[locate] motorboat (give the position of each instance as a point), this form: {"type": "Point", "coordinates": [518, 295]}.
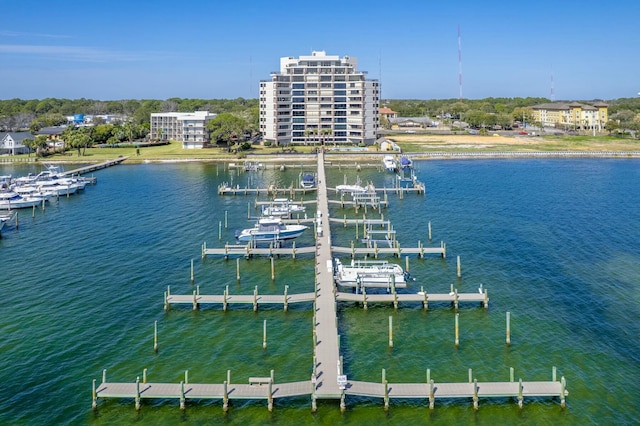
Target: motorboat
{"type": "Point", "coordinates": [12, 200]}
{"type": "Point", "coordinates": [34, 191]}
{"type": "Point", "coordinates": [405, 163]}
{"type": "Point", "coordinates": [351, 189]}
{"type": "Point", "coordinates": [282, 207]}
{"type": "Point", "coordinates": [270, 229]}
{"type": "Point", "coordinates": [52, 181]}
{"type": "Point", "coordinates": [308, 180]}
{"type": "Point", "coordinates": [6, 218]}
{"type": "Point", "coordinates": [356, 188]}
{"type": "Point", "coordinates": [368, 273]}
{"type": "Point", "coordinates": [252, 166]}
{"type": "Point", "coordinates": [390, 164]}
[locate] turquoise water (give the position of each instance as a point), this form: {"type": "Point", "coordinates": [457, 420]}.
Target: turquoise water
{"type": "Point", "coordinates": [555, 242]}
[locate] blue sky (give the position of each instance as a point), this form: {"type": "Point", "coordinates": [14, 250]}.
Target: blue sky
{"type": "Point", "coordinates": [218, 49]}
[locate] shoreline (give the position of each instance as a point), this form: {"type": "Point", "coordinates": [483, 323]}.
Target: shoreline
{"type": "Point", "coordinates": [443, 155]}
{"type": "Point", "coordinates": [343, 157]}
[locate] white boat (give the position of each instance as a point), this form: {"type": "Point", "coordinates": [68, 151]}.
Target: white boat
{"type": "Point", "coordinates": [10, 200]}
{"type": "Point", "coordinates": [252, 166]}
{"type": "Point", "coordinates": [351, 189]}
{"type": "Point", "coordinates": [369, 273]}
{"type": "Point", "coordinates": [270, 229]}
{"type": "Point", "coordinates": [34, 191]}
{"type": "Point", "coordinates": [52, 181]}
{"type": "Point", "coordinates": [389, 163]}
{"type": "Point", "coordinates": [6, 218]}
{"type": "Point", "coordinates": [282, 207]}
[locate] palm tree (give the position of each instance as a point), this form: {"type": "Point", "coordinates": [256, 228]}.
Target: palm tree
{"type": "Point", "coordinates": [324, 133]}
{"type": "Point", "coordinates": [310, 132]}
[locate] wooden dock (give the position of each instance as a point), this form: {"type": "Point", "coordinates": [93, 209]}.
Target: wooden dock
{"type": "Point", "coordinates": [249, 250]}
{"type": "Point", "coordinates": [226, 189]}
{"type": "Point", "coordinates": [328, 380]}
{"type": "Point", "coordinates": [93, 167]}
{"type": "Point", "coordinates": [266, 388]}
{"type": "Point", "coordinates": [196, 299]}
{"type": "Point", "coordinates": [375, 251]}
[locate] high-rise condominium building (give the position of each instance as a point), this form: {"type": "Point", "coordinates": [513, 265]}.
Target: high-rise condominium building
{"type": "Point", "coordinates": [319, 100]}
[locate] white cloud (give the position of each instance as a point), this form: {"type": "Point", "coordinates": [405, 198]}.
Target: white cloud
{"type": "Point", "coordinates": [78, 53]}
{"type": "Point", "coordinates": [21, 34]}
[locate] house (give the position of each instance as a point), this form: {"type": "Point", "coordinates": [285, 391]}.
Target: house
{"type": "Point", "coordinates": [411, 122]}
{"type": "Point", "coordinates": [11, 143]}
{"type": "Point", "coordinates": [388, 113]}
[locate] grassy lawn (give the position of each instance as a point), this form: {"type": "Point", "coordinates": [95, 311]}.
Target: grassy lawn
{"type": "Point", "coordinates": [172, 151]}
{"type": "Point", "coordinates": [409, 143]}
{"type": "Point", "coordinates": [424, 143]}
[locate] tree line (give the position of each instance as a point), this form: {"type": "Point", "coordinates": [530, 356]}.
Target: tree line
{"type": "Point", "coordinates": [34, 114]}
{"type": "Point", "coordinates": [624, 113]}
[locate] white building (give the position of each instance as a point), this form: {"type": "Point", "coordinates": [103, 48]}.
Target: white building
{"type": "Point", "coordinates": [186, 127]}
{"type": "Point", "coordinates": [11, 143]}
{"type": "Point", "coordinates": [319, 99]}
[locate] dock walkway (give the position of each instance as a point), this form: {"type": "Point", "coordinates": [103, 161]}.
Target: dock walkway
{"type": "Point", "coordinates": [93, 167]}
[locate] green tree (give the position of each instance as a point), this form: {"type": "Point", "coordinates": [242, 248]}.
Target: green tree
{"type": "Point", "coordinates": [31, 144]}
{"type": "Point", "coordinates": [226, 128]}
{"type": "Point", "coordinates": [41, 142]}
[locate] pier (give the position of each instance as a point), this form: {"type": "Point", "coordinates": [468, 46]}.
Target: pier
{"type": "Point", "coordinates": [328, 381]}
{"type": "Point", "coordinates": [93, 167]}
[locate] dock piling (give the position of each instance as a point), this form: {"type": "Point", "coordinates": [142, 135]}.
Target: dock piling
{"type": "Point", "coordinates": [264, 334]}
{"type": "Point", "coordinates": [273, 269]}
{"type": "Point", "coordinates": [137, 397]}
{"type": "Point", "coordinates": [255, 299]}
{"type": "Point", "coordinates": [457, 341]}
{"type": "Point", "coordinates": [192, 275]}
{"type": "Point", "coordinates": [225, 397]}
{"type": "Point", "coordinates": [182, 398]}
{"type": "Point", "coordinates": [458, 268]}
{"type": "Point", "coordinates": [520, 397]}
{"type": "Point", "coordinates": [390, 331]}
{"type": "Point", "coordinates": [432, 399]}
{"type": "Point", "coordinates": [155, 337]}
{"type": "Point", "coordinates": [475, 394]}
{"type": "Point", "coordinates": [94, 397]}
{"type": "Point", "coordinates": [238, 269]}
{"type": "Point", "coordinates": [508, 328]}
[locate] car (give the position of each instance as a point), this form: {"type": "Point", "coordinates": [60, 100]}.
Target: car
{"type": "Point", "coordinates": [523, 133]}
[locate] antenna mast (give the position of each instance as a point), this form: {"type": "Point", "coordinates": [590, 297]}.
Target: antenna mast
{"type": "Point", "coordinates": [459, 64]}
{"type": "Point", "coordinates": [553, 95]}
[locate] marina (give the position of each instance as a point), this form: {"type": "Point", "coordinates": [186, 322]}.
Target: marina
{"type": "Point", "coordinates": [577, 267]}
{"type": "Point", "coordinates": [328, 379]}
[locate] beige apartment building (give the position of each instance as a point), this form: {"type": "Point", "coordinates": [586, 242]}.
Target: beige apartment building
{"type": "Point", "coordinates": [572, 115]}
{"type": "Point", "coordinates": [319, 99]}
